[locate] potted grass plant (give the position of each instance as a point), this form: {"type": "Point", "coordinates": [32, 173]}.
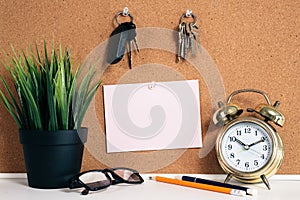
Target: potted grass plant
{"type": "Point", "coordinates": [48, 104]}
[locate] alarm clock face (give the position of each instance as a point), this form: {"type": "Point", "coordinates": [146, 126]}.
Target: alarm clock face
{"type": "Point", "coordinates": [246, 147]}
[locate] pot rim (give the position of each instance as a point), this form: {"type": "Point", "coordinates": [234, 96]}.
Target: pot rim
{"type": "Point", "coordinates": [58, 137]}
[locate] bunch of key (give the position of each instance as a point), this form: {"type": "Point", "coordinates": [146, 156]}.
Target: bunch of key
{"type": "Point", "coordinates": [122, 40]}
{"type": "Point", "coordinates": [188, 36]}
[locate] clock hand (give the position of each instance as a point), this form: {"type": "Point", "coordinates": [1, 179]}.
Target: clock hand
{"type": "Point", "coordinates": [254, 143]}
{"type": "Point", "coordinates": [243, 149]}
{"type": "Point", "coordinates": [258, 153]}
{"type": "Point", "coordinates": [246, 147]}
{"type": "Point", "coordinates": [254, 151]}
{"type": "Point", "coordinates": [240, 142]}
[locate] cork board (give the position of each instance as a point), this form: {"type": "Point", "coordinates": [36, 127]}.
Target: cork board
{"type": "Point", "coordinates": [252, 44]}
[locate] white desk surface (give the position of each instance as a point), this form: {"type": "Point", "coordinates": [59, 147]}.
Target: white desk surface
{"type": "Point", "coordinates": [14, 186]}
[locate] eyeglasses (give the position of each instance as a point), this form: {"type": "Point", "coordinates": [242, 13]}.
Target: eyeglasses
{"type": "Point", "coordinates": [94, 180]}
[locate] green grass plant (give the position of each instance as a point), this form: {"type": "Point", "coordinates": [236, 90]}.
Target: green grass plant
{"type": "Point", "coordinates": [47, 95]}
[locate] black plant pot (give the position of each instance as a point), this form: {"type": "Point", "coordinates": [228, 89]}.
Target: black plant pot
{"type": "Point", "coordinates": [52, 157]}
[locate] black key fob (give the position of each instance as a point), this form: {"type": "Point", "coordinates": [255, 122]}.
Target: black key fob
{"type": "Point", "coordinates": [118, 40]}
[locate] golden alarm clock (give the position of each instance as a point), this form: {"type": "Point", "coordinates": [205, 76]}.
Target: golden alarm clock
{"type": "Point", "coordinates": [248, 148]}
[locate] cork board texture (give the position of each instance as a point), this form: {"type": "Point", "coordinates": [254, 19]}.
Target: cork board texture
{"type": "Point", "coordinates": [251, 44]}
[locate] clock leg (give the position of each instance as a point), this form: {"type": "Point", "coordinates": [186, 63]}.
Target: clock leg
{"type": "Point", "coordinates": [265, 180]}
{"type": "Point", "coordinates": [228, 177]}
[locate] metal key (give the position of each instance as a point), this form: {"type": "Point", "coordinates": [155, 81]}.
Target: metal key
{"type": "Point", "coordinates": [195, 35]}
{"type": "Point", "coordinates": [179, 50]}
{"type": "Point", "coordinates": [188, 36]}
{"type": "Point", "coordinates": [183, 41]}
{"type": "Point", "coordinates": [131, 38]}
{"type": "Point", "coordinates": [181, 53]}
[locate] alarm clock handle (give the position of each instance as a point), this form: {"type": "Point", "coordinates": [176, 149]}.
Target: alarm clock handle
{"type": "Point", "coordinates": [248, 90]}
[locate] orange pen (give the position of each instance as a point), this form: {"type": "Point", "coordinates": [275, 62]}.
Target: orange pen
{"type": "Point", "coordinates": [199, 186]}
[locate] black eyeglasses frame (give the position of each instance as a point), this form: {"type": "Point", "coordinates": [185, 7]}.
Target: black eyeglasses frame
{"type": "Point", "coordinates": [75, 182]}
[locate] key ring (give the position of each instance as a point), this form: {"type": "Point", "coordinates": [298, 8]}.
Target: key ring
{"type": "Point", "coordinates": [124, 13]}
{"type": "Point", "coordinates": [189, 14]}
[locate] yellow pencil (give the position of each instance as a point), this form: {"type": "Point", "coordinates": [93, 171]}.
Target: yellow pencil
{"type": "Point", "coordinates": [199, 186]}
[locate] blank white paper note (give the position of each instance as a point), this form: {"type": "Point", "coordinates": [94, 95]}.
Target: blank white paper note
{"type": "Point", "coordinates": [152, 116]}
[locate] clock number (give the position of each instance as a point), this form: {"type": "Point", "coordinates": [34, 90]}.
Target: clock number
{"type": "Point", "coordinates": [232, 139]}
{"type": "Point", "coordinates": [229, 147]}
{"type": "Point", "coordinates": [246, 164]}
{"type": "Point", "coordinates": [265, 147]}
{"type": "Point", "coordinates": [255, 133]}
{"type": "Point", "coordinates": [238, 132]}
{"type": "Point", "coordinates": [255, 162]}
{"type": "Point", "coordinates": [262, 156]}
{"type": "Point", "coordinates": [247, 130]}
{"type": "Point", "coordinates": [238, 161]}
{"type": "Point", "coordinates": [232, 155]}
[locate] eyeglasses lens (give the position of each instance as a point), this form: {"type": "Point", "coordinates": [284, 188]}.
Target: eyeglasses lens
{"type": "Point", "coordinates": [128, 175]}
{"type": "Point", "coordinates": [95, 179]}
